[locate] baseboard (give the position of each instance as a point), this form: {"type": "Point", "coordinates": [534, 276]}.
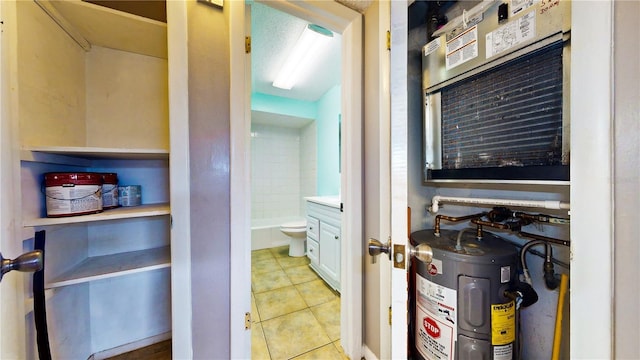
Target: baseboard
{"type": "Point", "coordinates": [105, 354]}
{"type": "Point", "coordinates": [367, 354]}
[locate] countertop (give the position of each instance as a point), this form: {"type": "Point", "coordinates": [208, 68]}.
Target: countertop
{"type": "Point", "coordinates": [333, 201]}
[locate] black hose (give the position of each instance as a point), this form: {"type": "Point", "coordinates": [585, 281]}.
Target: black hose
{"type": "Point", "coordinates": [550, 278]}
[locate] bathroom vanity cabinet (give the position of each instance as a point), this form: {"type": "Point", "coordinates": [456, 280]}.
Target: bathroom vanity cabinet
{"type": "Point", "coordinates": [324, 239]}
{"type": "Point", "coordinates": [91, 95]}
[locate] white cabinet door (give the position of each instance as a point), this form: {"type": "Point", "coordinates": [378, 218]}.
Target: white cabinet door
{"type": "Point", "coordinates": [330, 255]}
{"type": "Point", "coordinates": [313, 251]}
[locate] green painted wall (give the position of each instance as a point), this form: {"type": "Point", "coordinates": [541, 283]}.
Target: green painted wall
{"type": "Point", "coordinates": [285, 106]}
{"type": "Point", "coordinates": [328, 142]}
{"type": "Point", "coordinates": [326, 112]}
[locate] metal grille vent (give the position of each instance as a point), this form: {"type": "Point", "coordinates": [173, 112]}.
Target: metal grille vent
{"type": "Point", "coordinates": [508, 116]}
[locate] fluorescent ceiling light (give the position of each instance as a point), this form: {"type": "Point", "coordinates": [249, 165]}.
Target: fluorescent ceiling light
{"type": "Point", "coordinates": [311, 43]}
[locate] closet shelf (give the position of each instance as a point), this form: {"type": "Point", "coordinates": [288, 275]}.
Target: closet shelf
{"type": "Point", "coordinates": [111, 214]}
{"type": "Point", "coordinates": [109, 266]}
{"type": "Point", "coordinates": [81, 156]}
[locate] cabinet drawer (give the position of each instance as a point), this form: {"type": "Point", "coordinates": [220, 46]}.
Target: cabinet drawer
{"type": "Point", "coordinates": [313, 251]}
{"type": "Point", "coordinates": [313, 227]}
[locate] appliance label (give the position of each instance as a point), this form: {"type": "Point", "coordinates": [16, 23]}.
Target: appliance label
{"type": "Point", "coordinates": [462, 47]}
{"type": "Point", "coordinates": [436, 329]}
{"type": "Point", "coordinates": [503, 352]}
{"type": "Point", "coordinates": [511, 34]}
{"type": "Point", "coordinates": [519, 5]}
{"type": "Point", "coordinates": [503, 323]}
{"type": "Point", "coordinates": [432, 46]}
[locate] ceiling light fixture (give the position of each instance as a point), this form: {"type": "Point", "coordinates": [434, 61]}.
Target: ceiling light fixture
{"type": "Point", "coordinates": [312, 42]}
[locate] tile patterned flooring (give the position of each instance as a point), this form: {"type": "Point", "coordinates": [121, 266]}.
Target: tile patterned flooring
{"type": "Point", "coordinates": [295, 314]}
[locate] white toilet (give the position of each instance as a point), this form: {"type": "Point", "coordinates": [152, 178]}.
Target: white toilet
{"type": "Point", "coordinates": [297, 232]}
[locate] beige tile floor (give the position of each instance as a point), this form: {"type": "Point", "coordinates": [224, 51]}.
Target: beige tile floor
{"type": "Point", "coordinates": [295, 314]}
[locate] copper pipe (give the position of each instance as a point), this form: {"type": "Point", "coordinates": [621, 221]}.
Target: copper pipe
{"type": "Point", "coordinates": [491, 224]}
{"type": "Point", "coordinates": [544, 238]}
{"type": "Point", "coordinates": [436, 227]}
{"type": "Point", "coordinates": [436, 230]}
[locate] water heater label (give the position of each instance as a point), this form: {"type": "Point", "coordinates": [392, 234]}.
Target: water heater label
{"type": "Point", "coordinates": [436, 329]}
{"type": "Point", "coordinates": [503, 352]}
{"type": "Point", "coordinates": [462, 48]}
{"type": "Point", "coordinates": [432, 46]}
{"type": "Point", "coordinates": [503, 323]}
{"type": "Point", "coordinates": [511, 34]}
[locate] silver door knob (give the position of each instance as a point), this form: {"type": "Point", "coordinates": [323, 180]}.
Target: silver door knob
{"type": "Point", "coordinates": [376, 247]}
{"type": "Point", "coordinates": [28, 262]}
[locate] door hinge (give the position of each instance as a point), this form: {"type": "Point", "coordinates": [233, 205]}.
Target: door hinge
{"type": "Point", "coordinates": [247, 44]}
{"type": "Point", "coordinates": [247, 320]}
{"type": "Point", "coordinates": [398, 256]}
{"type": "Point", "coordinates": [389, 315]}
{"type": "Point", "coordinates": [388, 40]}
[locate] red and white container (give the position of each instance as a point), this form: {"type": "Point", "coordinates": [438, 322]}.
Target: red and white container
{"type": "Point", "coordinates": [70, 194]}
{"type": "Point", "coordinates": [109, 190]}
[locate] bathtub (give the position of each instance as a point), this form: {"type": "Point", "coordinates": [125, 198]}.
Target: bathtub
{"type": "Point", "coordinates": [265, 233]}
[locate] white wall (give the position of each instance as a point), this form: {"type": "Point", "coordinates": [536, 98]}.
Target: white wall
{"type": "Point", "coordinates": [282, 170]}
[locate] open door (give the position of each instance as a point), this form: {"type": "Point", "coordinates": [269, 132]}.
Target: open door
{"type": "Point", "coordinates": [12, 338]}
{"type": "Point", "coordinates": [399, 180]}
{"type": "Point", "coordinates": [386, 201]}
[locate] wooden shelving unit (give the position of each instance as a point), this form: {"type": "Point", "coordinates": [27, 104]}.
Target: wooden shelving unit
{"type": "Point", "coordinates": [109, 266]}
{"type": "Point", "coordinates": [112, 214]}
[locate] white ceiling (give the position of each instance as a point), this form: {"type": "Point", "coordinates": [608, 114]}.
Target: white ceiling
{"type": "Point", "coordinates": [273, 34]}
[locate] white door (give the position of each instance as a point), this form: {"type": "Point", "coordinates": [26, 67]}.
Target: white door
{"type": "Point", "coordinates": [399, 156]}
{"type": "Point", "coordinates": [12, 341]}
{"type": "Point", "coordinates": [386, 177]}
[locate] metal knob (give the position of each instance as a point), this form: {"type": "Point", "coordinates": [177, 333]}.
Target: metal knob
{"type": "Point", "coordinates": [27, 262]}
{"type": "Point", "coordinates": [422, 252]}
{"type": "Point", "coordinates": [376, 247]}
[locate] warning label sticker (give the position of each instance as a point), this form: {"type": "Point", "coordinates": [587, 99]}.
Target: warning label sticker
{"type": "Point", "coordinates": [520, 5]}
{"type": "Point", "coordinates": [432, 46]}
{"type": "Point", "coordinates": [503, 323]}
{"type": "Point", "coordinates": [462, 48]}
{"type": "Point", "coordinates": [511, 34]}
{"type": "Point", "coordinates": [503, 352]}
{"type": "Point", "coordinates": [436, 329]}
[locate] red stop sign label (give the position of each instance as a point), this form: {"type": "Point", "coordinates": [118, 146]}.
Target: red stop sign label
{"type": "Point", "coordinates": [433, 270]}
{"type": "Point", "coordinates": [431, 327]}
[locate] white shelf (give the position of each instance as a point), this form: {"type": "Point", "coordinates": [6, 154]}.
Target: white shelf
{"type": "Point", "coordinates": [111, 214]}
{"type": "Point", "coordinates": [91, 24]}
{"type": "Point", "coordinates": [109, 266]}
{"type": "Point", "coordinates": [36, 153]}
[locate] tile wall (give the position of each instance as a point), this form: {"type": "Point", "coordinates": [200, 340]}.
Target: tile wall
{"type": "Point", "coordinates": [283, 170]}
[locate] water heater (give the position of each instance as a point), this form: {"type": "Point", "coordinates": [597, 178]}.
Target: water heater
{"type": "Point", "coordinates": [461, 308]}
{"type": "Point", "coordinates": [496, 94]}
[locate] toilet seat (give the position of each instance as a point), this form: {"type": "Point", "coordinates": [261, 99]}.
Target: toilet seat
{"type": "Point", "coordinates": [297, 225]}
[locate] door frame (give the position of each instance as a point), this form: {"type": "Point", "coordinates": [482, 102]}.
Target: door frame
{"type": "Point", "coordinates": [341, 19]}
{"type": "Point", "coordinates": [12, 304]}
